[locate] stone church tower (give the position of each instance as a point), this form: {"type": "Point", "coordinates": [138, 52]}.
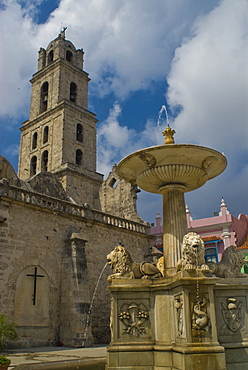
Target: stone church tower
{"type": "Point", "coordinates": [60, 136]}
{"type": "Point", "coordinates": [55, 235]}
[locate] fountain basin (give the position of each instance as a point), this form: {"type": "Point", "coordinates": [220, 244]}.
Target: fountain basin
{"type": "Point", "coordinates": [155, 167]}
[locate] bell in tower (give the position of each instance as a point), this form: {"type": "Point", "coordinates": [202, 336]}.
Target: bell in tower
{"type": "Point", "coordinates": [50, 139]}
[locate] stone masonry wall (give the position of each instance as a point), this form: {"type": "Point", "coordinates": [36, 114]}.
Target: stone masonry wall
{"type": "Point", "coordinates": [34, 230]}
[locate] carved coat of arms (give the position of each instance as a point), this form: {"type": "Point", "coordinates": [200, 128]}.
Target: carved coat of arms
{"type": "Point", "coordinates": [133, 316]}
{"type": "Point", "coordinates": [233, 314]}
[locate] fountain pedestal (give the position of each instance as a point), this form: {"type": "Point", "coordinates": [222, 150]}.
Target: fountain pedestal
{"type": "Point", "coordinates": [179, 323]}
{"type": "Point", "coordinates": [174, 224]}
{"type": "Point", "coordinates": [162, 333]}
{"type": "Point", "coordinates": [183, 321]}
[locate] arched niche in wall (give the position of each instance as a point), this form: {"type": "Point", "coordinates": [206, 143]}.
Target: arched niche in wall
{"type": "Point", "coordinates": [32, 297]}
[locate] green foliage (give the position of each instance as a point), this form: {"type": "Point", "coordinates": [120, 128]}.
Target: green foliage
{"type": "Point", "coordinates": [7, 330]}
{"type": "Point", "coordinates": [4, 361]}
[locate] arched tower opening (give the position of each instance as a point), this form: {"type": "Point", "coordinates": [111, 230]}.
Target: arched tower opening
{"type": "Point", "coordinates": [50, 56]}
{"type": "Point", "coordinates": [73, 92]}
{"type": "Point", "coordinates": [44, 97]}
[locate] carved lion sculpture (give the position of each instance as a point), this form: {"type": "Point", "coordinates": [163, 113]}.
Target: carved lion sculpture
{"type": "Point", "coordinates": [192, 254]}
{"type": "Point", "coordinates": [230, 264]}
{"type": "Point", "coordinates": [123, 266]}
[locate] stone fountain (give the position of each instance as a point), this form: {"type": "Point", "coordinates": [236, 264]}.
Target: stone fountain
{"type": "Point", "coordinates": [183, 313]}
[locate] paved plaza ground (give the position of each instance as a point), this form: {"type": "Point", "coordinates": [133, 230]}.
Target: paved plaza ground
{"type": "Point", "coordinates": [53, 354]}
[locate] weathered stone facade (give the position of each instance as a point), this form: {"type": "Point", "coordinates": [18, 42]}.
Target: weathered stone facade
{"type": "Point", "coordinates": [118, 197]}
{"type": "Point", "coordinates": [54, 235]}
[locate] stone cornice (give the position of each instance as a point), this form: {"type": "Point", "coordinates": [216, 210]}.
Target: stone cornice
{"type": "Point", "coordinates": [58, 108]}
{"type": "Point", "coordinates": [53, 65]}
{"type": "Point", "coordinates": [80, 172]}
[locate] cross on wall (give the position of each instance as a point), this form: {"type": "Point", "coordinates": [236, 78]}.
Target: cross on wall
{"type": "Point", "coordinates": [35, 276]}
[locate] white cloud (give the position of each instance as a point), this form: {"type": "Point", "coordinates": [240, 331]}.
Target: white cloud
{"type": "Point", "coordinates": [115, 141]}
{"type": "Point", "coordinates": [115, 135]}
{"type": "Point", "coordinates": [128, 44]}
{"type": "Point", "coordinates": [208, 80]}
{"type": "Point", "coordinates": [17, 60]}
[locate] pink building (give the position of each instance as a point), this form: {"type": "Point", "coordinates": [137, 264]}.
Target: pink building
{"type": "Point", "coordinates": [218, 232]}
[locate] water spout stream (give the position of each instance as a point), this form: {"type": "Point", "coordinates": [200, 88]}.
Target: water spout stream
{"type": "Point", "coordinates": [91, 305]}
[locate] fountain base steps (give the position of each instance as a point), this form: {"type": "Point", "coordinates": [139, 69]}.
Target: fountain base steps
{"type": "Point", "coordinates": [186, 321]}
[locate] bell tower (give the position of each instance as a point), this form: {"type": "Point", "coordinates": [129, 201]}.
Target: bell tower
{"type": "Point", "coordinates": [60, 136]}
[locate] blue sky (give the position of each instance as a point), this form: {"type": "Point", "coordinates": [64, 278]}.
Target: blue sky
{"type": "Point", "coordinates": [190, 55]}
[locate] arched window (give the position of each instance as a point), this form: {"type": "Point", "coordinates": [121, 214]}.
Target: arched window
{"type": "Point", "coordinates": [79, 157]}
{"type": "Point", "coordinates": [44, 162]}
{"type": "Point", "coordinates": [43, 97]}
{"type": "Point", "coordinates": [68, 55]}
{"type": "Point", "coordinates": [34, 141]}
{"type": "Point", "coordinates": [73, 92]}
{"type": "Point", "coordinates": [33, 165]}
{"type": "Point", "coordinates": [50, 56]}
{"type": "Point", "coordinates": [45, 134]}
{"type": "Point", "coordinates": [79, 133]}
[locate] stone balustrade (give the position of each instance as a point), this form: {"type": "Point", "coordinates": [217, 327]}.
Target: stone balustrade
{"type": "Point", "coordinates": [60, 206]}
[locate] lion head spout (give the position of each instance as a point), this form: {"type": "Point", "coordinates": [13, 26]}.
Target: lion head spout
{"type": "Point", "coordinates": [192, 254]}
{"type": "Point", "coordinates": [120, 260]}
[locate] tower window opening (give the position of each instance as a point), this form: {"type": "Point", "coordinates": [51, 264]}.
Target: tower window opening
{"type": "Point", "coordinates": [50, 56]}
{"type": "Point", "coordinates": [33, 165]}
{"type": "Point", "coordinates": [44, 160]}
{"type": "Point", "coordinates": [45, 134]}
{"type": "Point", "coordinates": [34, 141]}
{"type": "Point", "coordinates": [73, 92]}
{"type": "Point", "coordinates": [79, 133]}
{"type": "Point", "coordinates": [44, 97]}
{"type": "Point", "coordinates": [68, 55]}
{"type": "Point", "coordinates": [79, 157]}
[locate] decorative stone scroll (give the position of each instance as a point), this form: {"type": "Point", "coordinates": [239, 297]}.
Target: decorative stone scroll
{"type": "Point", "coordinates": [209, 161]}
{"type": "Point", "coordinates": [133, 316]}
{"type": "Point", "coordinates": [148, 159]}
{"type": "Point", "coordinates": [200, 318]}
{"type": "Point", "coordinates": [178, 304]}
